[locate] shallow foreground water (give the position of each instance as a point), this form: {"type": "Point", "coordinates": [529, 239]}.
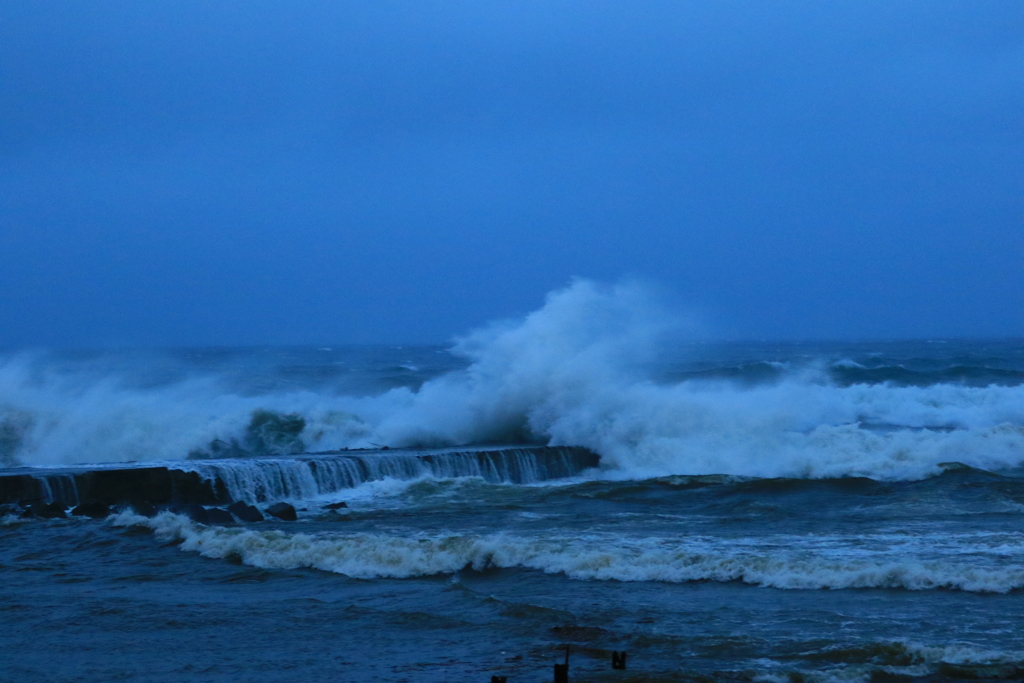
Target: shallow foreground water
{"type": "Point", "coordinates": [461, 580]}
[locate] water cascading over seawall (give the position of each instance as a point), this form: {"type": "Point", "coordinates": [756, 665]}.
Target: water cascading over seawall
{"type": "Point", "coordinates": [253, 480]}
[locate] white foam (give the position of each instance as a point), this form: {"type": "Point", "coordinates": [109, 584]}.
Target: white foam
{"type": "Point", "coordinates": [787, 562]}
{"type": "Point", "coordinates": [962, 654]}
{"type": "Point", "coordinates": [569, 373]}
{"type": "Point", "coordinates": [260, 479]}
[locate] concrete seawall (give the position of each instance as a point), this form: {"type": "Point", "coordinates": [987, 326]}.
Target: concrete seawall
{"type": "Point", "coordinates": [216, 482]}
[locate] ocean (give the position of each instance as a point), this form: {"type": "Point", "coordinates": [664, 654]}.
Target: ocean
{"type": "Point", "coordinates": [757, 511]}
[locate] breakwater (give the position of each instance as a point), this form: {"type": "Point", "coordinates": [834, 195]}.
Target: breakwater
{"type": "Point", "coordinates": [253, 480]}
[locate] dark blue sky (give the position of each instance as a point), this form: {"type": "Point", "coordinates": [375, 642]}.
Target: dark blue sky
{"type": "Point", "coordinates": [197, 172]}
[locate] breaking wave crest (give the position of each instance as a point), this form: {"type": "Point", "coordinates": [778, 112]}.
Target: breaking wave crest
{"type": "Point", "coordinates": [971, 562]}
{"type": "Point", "coordinates": [575, 372]}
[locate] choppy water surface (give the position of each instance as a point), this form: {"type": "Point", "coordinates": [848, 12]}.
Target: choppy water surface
{"type": "Point", "coordinates": [460, 580]}
{"type": "Point", "coordinates": [763, 512]}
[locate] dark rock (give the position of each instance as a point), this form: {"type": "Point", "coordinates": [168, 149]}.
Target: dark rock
{"type": "Point", "coordinates": [334, 516]}
{"type": "Point", "coordinates": [268, 433]}
{"type": "Point", "coordinates": [130, 484]}
{"type": "Point", "coordinates": [282, 511]}
{"type": "Point", "coordinates": [50, 511]}
{"type": "Point", "coordinates": [194, 511]}
{"type": "Point", "coordinates": [94, 510]}
{"type": "Point", "coordinates": [336, 506]}
{"type": "Point", "coordinates": [218, 516]}
{"type": "Point", "coordinates": [154, 485]}
{"type": "Point", "coordinates": [15, 487]}
{"type": "Point", "coordinates": [28, 513]}
{"type": "Point", "coordinates": [245, 513]}
{"type": "Point", "coordinates": [144, 509]}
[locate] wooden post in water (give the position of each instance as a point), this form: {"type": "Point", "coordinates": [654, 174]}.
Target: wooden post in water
{"type": "Point", "coordinates": [562, 670]}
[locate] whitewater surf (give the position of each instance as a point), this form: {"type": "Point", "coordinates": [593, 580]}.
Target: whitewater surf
{"type": "Point", "coordinates": [588, 475]}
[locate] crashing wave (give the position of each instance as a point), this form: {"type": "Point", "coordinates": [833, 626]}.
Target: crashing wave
{"type": "Point", "coordinates": [575, 372]}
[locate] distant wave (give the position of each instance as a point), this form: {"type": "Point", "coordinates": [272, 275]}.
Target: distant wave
{"type": "Point", "coordinates": [846, 372]}
{"type": "Point", "coordinates": [570, 373]}
{"type": "Point", "coordinates": [898, 375]}
{"type": "Point", "coordinates": [968, 562]}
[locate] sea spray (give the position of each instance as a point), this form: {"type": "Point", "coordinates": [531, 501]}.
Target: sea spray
{"type": "Point", "coordinates": [588, 368]}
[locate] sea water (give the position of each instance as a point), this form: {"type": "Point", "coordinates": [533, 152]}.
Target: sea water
{"type": "Point", "coordinates": [762, 511]}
